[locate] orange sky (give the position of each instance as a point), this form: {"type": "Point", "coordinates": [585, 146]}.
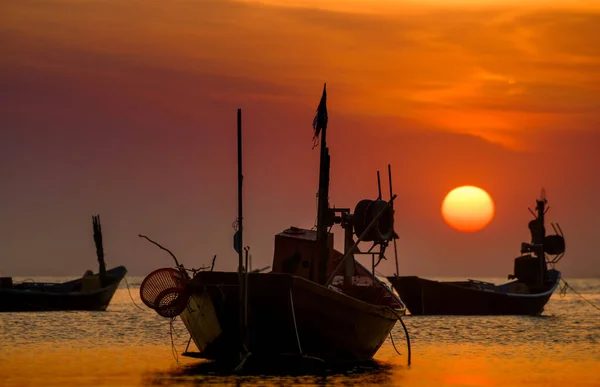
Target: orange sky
{"type": "Point", "coordinates": [127, 108]}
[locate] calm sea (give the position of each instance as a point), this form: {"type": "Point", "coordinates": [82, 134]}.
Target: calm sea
{"type": "Point", "coordinates": [126, 346]}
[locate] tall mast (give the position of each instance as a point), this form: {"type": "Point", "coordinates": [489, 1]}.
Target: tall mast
{"type": "Point", "coordinates": [240, 229]}
{"type": "Point", "coordinates": [320, 124]}
{"type": "Point", "coordinates": [239, 241]}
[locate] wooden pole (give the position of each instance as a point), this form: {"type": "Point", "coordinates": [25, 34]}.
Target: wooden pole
{"type": "Point", "coordinates": [99, 248]}
{"type": "Point", "coordinates": [393, 228]}
{"type": "Point", "coordinates": [323, 205]}
{"type": "Point", "coordinates": [240, 240]}
{"type": "Point", "coordinates": [240, 181]}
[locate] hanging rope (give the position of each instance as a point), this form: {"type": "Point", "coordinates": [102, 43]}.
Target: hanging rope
{"type": "Point", "coordinates": [298, 335]}
{"type": "Point", "coordinates": [246, 352]}
{"type": "Point", "coordinates": [563, 291]}
{"type": "Point", "coordinates": [405, 332]}
{"type": "Point", "coordinates": [245, 356]}
{"type": "Point", "coordinates": [130, 296]}
{"type": "Point", "coordinates": [173, 349]}
{"type": "Point", "coordinates": [394, 344]}
{"type": "Point", "coordinates": [295, 326]}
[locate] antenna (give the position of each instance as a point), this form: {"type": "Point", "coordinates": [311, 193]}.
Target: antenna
{"type": "Point", "coordinates": [378, 186]}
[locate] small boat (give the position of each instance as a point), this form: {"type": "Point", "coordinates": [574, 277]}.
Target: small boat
{"type": "Point", "coordinates": [91, 292]}
{"type": "Point", "coordinates": [533, 282]}
{"type": "Point", "coordinates": [316, 303]}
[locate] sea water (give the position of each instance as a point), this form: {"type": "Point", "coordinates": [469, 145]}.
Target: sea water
{"type": "Point", "coordinates": [127, 346]}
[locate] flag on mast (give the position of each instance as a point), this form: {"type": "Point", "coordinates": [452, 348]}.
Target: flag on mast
{"type": "Point", "coordinates": [320, 120]}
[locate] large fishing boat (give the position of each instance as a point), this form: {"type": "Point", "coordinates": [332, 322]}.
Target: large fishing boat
{"type": "Point", "coordinates": [533, 282]}
{"type": "Point", "coordinates": [90, 292]}
{"type": "Point", "coordinates": [316, 303]}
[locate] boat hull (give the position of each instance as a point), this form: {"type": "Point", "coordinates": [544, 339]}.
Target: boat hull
{"type": "Point", "coordinates": [60, 297]}
{"type": "Point", "coordinates": [428, 297]}
{"type": "Point", "coordinates": [286, 316]}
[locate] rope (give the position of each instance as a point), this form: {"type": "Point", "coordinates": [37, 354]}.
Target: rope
{"type": "Point", "coordinates": [173, 349]}
{"type": "Point", "coordinates": [394, 344]}
{"type": "Point", "coordinates": [130, 296]}
{"type": "Point", "coordinates": [246, 354]}
{"type": "Point", "coordinates": [298, 335]}
{"type": "Point", "coordinates": [244, 358]}
{"type": "Point", "coordinates": [405, 332]}
{"type": "Point", "coordinates": [295, 326]}
{"type": "Point", "coordinates": [563, 291]}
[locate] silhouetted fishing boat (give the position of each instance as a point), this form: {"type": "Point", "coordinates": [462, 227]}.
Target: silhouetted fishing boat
{"type": "Point", "coordinates": [91, 292]}
{"type": "Point", "coordinates": [534, 281]}
{"type": "Point", "coordinates": [316, 302]}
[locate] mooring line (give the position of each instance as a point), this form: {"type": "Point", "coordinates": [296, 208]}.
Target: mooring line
{"type": "Point", "coordinates": [563, 291]}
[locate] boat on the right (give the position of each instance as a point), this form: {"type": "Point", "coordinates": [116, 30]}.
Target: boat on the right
{"type": "Point", "coordinates": [530, 287]}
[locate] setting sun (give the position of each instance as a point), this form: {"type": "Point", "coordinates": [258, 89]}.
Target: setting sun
{"type": "Point", "coordinates": [468, 209]}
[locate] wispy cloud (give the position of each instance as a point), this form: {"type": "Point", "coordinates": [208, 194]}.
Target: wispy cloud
{"type": "Point", "coordinates": [494, 71]}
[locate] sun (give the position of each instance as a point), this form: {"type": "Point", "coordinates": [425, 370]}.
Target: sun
{"type": "Point", "coordinates": [468, 208]}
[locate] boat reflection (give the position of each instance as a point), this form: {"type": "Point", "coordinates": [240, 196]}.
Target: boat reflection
{"type": "Point", "coordinates": [281, 372]}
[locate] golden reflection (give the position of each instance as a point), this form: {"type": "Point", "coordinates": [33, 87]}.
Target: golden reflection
{"type": "Point", "coordinates": [433, 365]}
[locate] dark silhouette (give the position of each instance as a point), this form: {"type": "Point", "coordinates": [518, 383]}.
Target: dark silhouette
{"type": "Point", "coordinates": [531, 289]}
{"type": "Point", "coordinates": [316, 303]}
{"type": "Point", "coordinates": [91, 292]}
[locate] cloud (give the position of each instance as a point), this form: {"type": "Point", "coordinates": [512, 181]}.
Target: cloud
{"type": "Point", "coordinates": [511, 68]}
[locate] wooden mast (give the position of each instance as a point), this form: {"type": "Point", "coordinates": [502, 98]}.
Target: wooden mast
{"type": "Point", "coordinates": [99, 248]}
{"type": "Point", "coordinates": [323, 198]}
{"type": "Point", "coordinates": [238, 238]}
{"type": "Point", "coordinates": [240, 228]}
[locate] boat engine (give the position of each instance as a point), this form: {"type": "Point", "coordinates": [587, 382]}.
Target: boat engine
{"type": "Point", "coordinates": [364, 213]}
{"type": "Point", "coordinates": [165, 291]}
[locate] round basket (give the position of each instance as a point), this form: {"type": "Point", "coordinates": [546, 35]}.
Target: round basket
{"type": "Point", "coordinates": [157, 282]}
{"type": "Point", "coordinates": [171, 302]}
